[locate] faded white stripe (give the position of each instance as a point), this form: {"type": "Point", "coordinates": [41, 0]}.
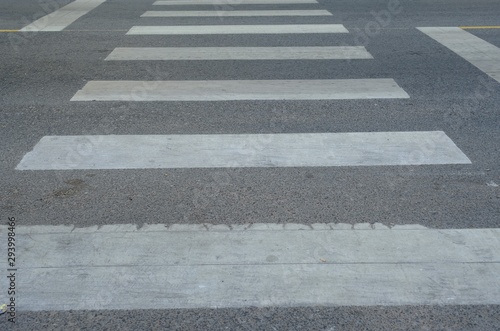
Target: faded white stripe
{"type": "Point", "coordinates": [242, 150]}
{"type": "Point", "coordinates": [483, 55]}
{"type": "Point", "coordinates": [61, 18]}
{"type": "Point", "coordinates": [121, 267]}
{"type": "Point", "coordinates": [230, 3]}
{"type": "Point", "coordinates": [218, 90]}
{"type": "Point", "coordinates": [237, 29]}
{"type": "Point", "coordinates": [229, 13]}
{"type": "Point", "coordinates": [240, 53]}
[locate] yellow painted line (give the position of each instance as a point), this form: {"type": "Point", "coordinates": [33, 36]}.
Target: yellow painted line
{"type": "Point", "coordinates": [480, 27]}
{"type": "Point", "coordinates": [9, 30]}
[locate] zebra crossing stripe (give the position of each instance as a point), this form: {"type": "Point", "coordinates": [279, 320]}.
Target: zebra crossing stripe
{"type": "Point", "coordinates": [61, 18]}
{"type": "Point", "coordinates": [229, 13]}
{"type": "Point", "coordinates": [242, 150]}
{"type": "Point", "coordinates": [220, 90]}
{"type": "Point", "coordinates": [480, 53]}
{"type": "Point", "coordinates": [239, 53]}
{"type": "Point", "coordinates": [241, 265]}
{"type": "Point", "coordinates": [237, 29]}
{"type": "Point", "coordinates": [234, 3]}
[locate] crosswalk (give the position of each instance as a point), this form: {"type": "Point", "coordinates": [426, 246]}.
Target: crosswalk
{"type": "Point", "coordinates": [400, 278]}
{"type": "Point", "coordinates": [371, 146]}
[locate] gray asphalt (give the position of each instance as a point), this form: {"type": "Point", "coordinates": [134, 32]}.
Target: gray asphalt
{"type": "Point", "coordinates": [40, 72]}
{"type": "Point", "coordinates": [421, 318]}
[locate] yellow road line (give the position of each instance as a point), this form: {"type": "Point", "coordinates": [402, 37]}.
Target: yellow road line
{"type": "Point", "coordinates": [9, 30]}
{"type": "Point", "coordinates": [480, 27]}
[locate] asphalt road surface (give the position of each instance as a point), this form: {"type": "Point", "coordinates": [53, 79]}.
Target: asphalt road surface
{"type": "Point", "coordinates": [250, 165]}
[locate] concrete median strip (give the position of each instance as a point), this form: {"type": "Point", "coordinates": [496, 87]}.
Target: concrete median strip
{"type": "Point", "coordinates": [241, 265]}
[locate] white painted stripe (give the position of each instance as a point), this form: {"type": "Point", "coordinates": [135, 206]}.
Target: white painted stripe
{"type": "Point", "coordinates": [239, 53]}
{"type": "Point", "coordinates": [242, 150]}
{"type": "Point", "coordinates": [218, 90]}
{"type": "Point", "coordinates": [228, 13]}
{"type": "Point", "coordinates": [483, 55]}
{"type": "Point", "coordinates": [61, 18]}
{"type": "Point", "coordinates": [230, 3]}
{"type": "Point", "coordinates": [237, 29]}
{"type": "Point", "coordinates": [121, 267]}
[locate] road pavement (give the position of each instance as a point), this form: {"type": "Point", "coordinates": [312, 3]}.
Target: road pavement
{"type": "Point", "coordinates": [363, 120]}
